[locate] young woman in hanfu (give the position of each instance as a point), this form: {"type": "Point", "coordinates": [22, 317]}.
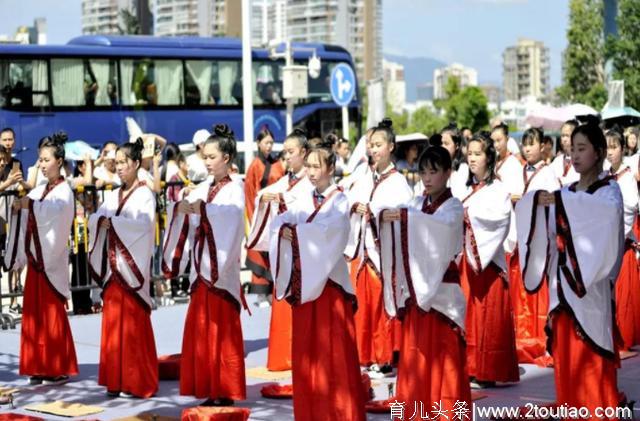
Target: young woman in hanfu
{"type": "Point", "coordinates": [575, 238]}
{"type": "Point", "coordinates": [418, 246]}
{"type": "Point", "coordinates": [121, 247]}
{"type": "Point", "coordinates": [210, 224]}
{"type": "Point", "coordinates": [531, 310]}
{"type": "Point", "coordinates": [491, 348]}
{"type": "Point", "coordinates": [39, 233]}
{"type": "Point", "coordinates": [310, 272]}
{"type": "Point", "coordinates": [628, 283]}
{"type": "Point", "coordinates": [383, 188]}
{"type": "Point", "coordinates": [270, 202]}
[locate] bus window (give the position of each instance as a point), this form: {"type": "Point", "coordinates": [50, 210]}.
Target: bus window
{"type": "Point", "coordinates": [151, 82]}
{"type": "Point", "coordinates": [100, 82]}
{"type": "Point", "coordinates": [213, 82]}
{"type": "Point", "coordinates": [267, 80]}
{"type": "Point", "coordinates": [67, 82]}
{"type": "Point", "coordinates": [320, 87]}
{"type": "Point", "coordinates": [23, 83]}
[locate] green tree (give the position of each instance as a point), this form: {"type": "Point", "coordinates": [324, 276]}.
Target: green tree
{"type": "Point", "coordinates": [625, 51]}
{"type": "Point", "coordinates": [131, 25]}
{"type": "Point", "coordinates": [425, 121]}
{"type": "Point", "coordinates": [469, 108]}
{"type": "Point", "coordinates": [583, 79]}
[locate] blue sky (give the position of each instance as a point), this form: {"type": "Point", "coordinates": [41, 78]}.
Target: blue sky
{"type": "Point", "coordinates": [472, 32]}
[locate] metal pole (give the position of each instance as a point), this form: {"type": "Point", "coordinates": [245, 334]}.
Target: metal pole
{"type": "Point", "coordinates": [345, 122]}
{"type": "Point", "coordinates": [247, 85]}
{"type": "Point", "coordinates": [290, 101]}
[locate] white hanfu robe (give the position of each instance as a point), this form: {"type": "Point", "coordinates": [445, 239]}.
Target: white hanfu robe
{"type": "Point", "coordinates": [564, 170]}
{"type": "Point", "coordinates": [416, 252]}
{"type": "Point", "coordinates": [288, 190]}
{"type": "Point", "coordinates": [125, 249]}
{"type": "Point", "coordinates": [582, 272]}
{"type": "Point", "coordinates": [214, 241]}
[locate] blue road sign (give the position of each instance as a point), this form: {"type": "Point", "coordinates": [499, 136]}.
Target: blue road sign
{"type": "Point", "coordinates": [343, 84]}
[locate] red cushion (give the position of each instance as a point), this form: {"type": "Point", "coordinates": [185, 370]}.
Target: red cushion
{"type": "Point", "coordinates": [10, 416]}
{"type": "Point", "coordinates": [277, 391]}
{"type": "Point", "coordinates": [222, 413]}
{"type": "Point", "coordinates": [169, 367]}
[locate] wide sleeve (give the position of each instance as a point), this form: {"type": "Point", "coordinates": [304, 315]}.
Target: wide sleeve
{"type": "Point", "coordinates": [175, 249]}
{"type": "Point", "coordinates": [629, 189]}
{"type": "Point", "coordinates": [258, 236]}
{"type": "Point", "coordinates": [532, 224]}
{"type": "Point", "coordinates": [280, 253]}
{"type": "Point", "coordinates": [223, 226]}
{"type": "Point", "coordinates": [487, 221]}
{"type": "Point", "coordinates": [590, 230]}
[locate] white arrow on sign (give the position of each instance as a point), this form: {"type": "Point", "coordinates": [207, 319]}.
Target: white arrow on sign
{"type": "Point", "coordinates": [344, 86]}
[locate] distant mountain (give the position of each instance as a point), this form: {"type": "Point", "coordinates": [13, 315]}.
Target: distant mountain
{"type": "Point", "coordinates": [417, 71]}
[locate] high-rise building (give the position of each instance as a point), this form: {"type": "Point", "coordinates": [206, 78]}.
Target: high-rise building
{"type": "Point", "coordinates": [466, 75]}
{"type": "Point", "coordinates": [395, 85]}
{"type": "Point", "coordinates": [204, 18]}
{"type": "Point", "coordinates": [353, 24]}
{"type": "Point", "coordinates": [105, 16]}
{"type": "Point", "coordinates": [525, 70]}
{"type": "Point", "coordinates": [268, 21]}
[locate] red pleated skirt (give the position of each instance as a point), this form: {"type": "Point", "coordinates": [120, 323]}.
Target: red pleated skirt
{"type": "Point", "coordinates": [128, 358]}
{"type": "Point", "coordinates": [212, 364]}
{"type": "Point", "coordinates": [279, 352]}
{"type": "Point", "coordinates": [491, 345]}
{"type": "Point", "coordinates": [530, 313]}
{"type": "Point", "coordinates": [46, 342]}
{"type": "Point", "coordinates": [374, 328]}
{"type": "Point", "coordinates": [583, 377]}
{"type": "Point", "coordinates": [628, 299]}
{"type": "Point", "coordinates": [432, 365]}
{"type": "Point", "coordinates": [327, 384]}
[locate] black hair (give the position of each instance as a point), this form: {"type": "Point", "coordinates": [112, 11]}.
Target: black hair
{"type": "Point", "coordinates": [301, 136]}
{"type": "Point", "coordinates": [107, 143]}
{"type": "Point", "coordinates": [489, 149]}
{"type": "Point", "coordinates": [386, 128]}
{"type": "Point", "coordinates": [172, 152]}
{"type": "Point", "coordinates": [573, 123]}
{"type": "Point", "coordinates": [225, 140]}
{"type": "Point", "coordinates": [132, 150]}
{"type": "Point", "coordinates": [503, 128]}
{"type": "Point", "coordinates": [55, 142]}
{"type": "Point", "coordinates": [532, 135]}
{"type": "Point", "coordinates": [591, 130]}
{"type": "Point", "coordinates": [10, 130]}
{"type": "Point", "coordinates": [547, 139]}
{"type": "Point", "coordinates": [615, 134]}
{"type": "Point", "coordinates": [452, 130]}
{"type": "Point", "coordinates": [435, 157]}
{"type": "Point", "coordinates": [4, 151]}
{"type": "Point", "coordinates": [324, 148]}
{"type": "Point", "coordinates": [435, 140]}
{"type": "Point", "coordinates": [264, 132]}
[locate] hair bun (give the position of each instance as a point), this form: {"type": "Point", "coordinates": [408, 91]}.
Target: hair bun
{"type": "Point", "coordinates": [328, 142]}
{"type": "Point", "coordinates": [589, 119]}
{"type": "Point", "coordinates": [60, 137]}
{"type": "Point", "coordinates": [298, 131]}
{"type": "Point", "coordinates": [223, 130]}
{"type": "Point", "coordinates": [386, 123]}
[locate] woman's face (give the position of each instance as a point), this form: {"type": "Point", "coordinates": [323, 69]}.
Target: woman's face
{"type": "Point", "coordinates": [412, 153]}
{"type": "Point", "coordinates": [126, 168]}
{"type": "Point", "coordinates": [449, 144]}
{"type": "Point", "coordinates": [532, 152]}
{"type": "Point", "coordinates": [565, 138]}
{"type": "Point", "coordinates": [215, 160]}
{"type": "Point", "coordinates": [317, 171]}
{"type": "Point", "coordinates": [614, 153]}
{"type": "Point", "coordinates": [583, 154]}
{"type": "Point", "coordinates": [293, 155]}
{"type": "Point", "coordinates": [632, 142]}
{"type": "Point", "coordinates": [477, 160]}
{"type": "Point", "coordinates": [266, 146]}
{"type": "Point", "coordinates": [434, 179]}
{"type": "Point", "coordinates": [49, 165]}
{"type": "Point", "coordinates": [381, 151]}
